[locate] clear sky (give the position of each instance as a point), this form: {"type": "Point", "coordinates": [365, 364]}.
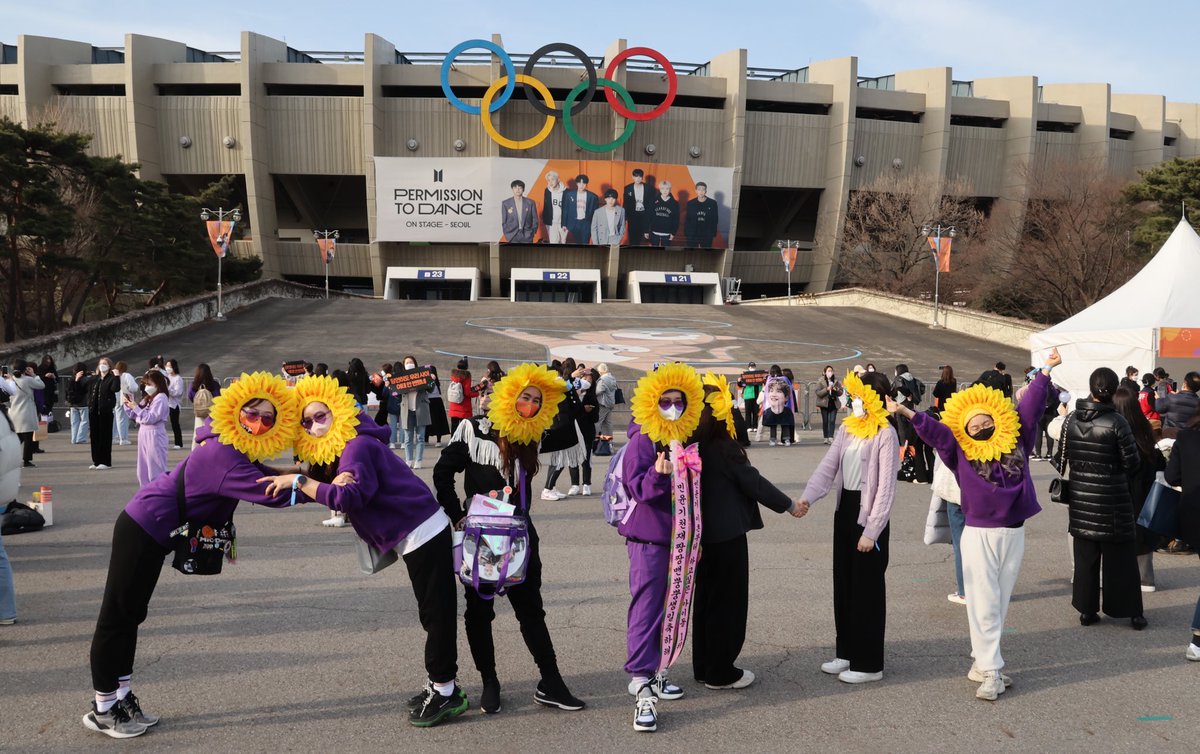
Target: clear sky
{"type": "Point", "coordinates": [1138, 48]}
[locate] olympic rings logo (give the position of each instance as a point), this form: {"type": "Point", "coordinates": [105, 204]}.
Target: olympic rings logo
{"type": "Point", "coordinates": [539, 96]}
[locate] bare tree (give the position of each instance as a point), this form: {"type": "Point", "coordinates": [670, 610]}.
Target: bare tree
{"type": "Point", "coordinates": [1072, 246]}
{"type": "Point", "coordinates": [884, 246]}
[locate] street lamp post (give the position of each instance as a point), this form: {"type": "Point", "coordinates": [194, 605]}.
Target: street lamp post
{"type": "Point", "coordinates": [789, 264]}
{"type": "Point", "coordinates": [326, 235]}
{"type": "Point", "coordinates": [936, 232]}
{"type": "Point", "coordinates": [235, 215]}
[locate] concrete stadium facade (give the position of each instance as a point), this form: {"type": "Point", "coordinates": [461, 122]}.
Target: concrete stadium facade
{"type": "Point", "coordinates": [301, 131]}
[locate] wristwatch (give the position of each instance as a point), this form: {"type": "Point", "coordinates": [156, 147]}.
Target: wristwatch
{"type": "Point", "coordinates": [300, 480]}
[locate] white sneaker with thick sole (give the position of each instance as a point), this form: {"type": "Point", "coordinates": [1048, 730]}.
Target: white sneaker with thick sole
{"type": "Point", "coordinates": [857, 676]}
{"type": "Point", "coordinates": [992, 686]}
{"type": "Point", "coordinates": [1193, 653]}
{"type": "Point", "coordinates": [661, 686]}
{"type": "Point", "coordinates": [956, 598]}
{"type": "Point", "coordinates": [416, 464]}
{"type": "Point", "coordinates": [645, 716]}
{"type": "Point", "coordinates": [772, 443]}
{"type": "Point", "coordinates": [978, 676]}
{"type": "Point", "coordinates": [573, 490]}
{"type": "Point", "coordinates": [835, 666]}
{"type": "Point", "coordinates": [1149, 588]}
{"type": "Point", "coordinates": [741, 683]}
{"type": "Point", "coordinates": [102, 466]}
{"type": "Point", "coordinates": [338, 521]}
{"type": "Point", "coordinates": [586, 490]}
{"type": "Point", "coordinates": [552, 495]}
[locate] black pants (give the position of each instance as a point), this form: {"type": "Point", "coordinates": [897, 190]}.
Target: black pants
{"type": "Point", "coordinates": [589, 439]}
{"type": "Point", "coordinates": [381, 416]}
{"type": "Point", "coordinates": [905, 433]}
{"type": "Point", "coordinates": [859, 589]}
{"type": "Point", "coordinates": [1122, 580]}
{"type": "Point", "coordinates": [431, 570]}
{"type": "Point", "coordinates": [1043, 433]}
{"type": "Point", "coordinates": [552, 475]}
{"type": "Point", "coordinates": [719, 609]}
{"type": "Point", "coordinates": [828, 422]}
{"type": "Point", "coordinates": [101, 428]}
{"type": "Point", "coordinates": [751, 414]}
{"type": "Point", "coordinates": [526, 600]}
{"type": "Point", "coordinates": [26, 439]}
{"type": "Point", "coordinates": [178, 430]}
{"type": "Point", "coordinates": [133, 570]}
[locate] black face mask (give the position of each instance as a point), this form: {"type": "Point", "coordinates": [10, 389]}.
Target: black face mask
{"type": "Point", "coordinates": [984, 435]}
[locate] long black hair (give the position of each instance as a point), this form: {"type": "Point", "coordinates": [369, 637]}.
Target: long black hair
{"type": "Point", "coordinates": [1103, 384]}
{"type": "Point", "coordinates": [1128, 406]}
{"type": "Point", "coordinates": [713, 436]}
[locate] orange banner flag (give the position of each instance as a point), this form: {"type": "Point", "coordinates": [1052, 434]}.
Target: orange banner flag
{"type": "Point", "coordinates": [789, 257]}
{"type": "Point", "coordinates": [219, 235]}
{"type": "Point", "coordinates": [326, 245]}
{"type": "Point", "coordinates": [942, 255]}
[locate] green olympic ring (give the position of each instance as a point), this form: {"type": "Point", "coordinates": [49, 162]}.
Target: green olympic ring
{"type": "Point", "coordinates": [579, 140]}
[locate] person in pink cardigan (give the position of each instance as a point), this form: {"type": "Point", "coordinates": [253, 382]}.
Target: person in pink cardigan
{"type": "Point", "coordinates": [151, 414]}
{"type": "Point", "coordinates": [860, 467]}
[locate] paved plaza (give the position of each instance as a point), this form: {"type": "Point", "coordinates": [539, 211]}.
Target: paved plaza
{"type": "Point", "coordinates": [292, 649]}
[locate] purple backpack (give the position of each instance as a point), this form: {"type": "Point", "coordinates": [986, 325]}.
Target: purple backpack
{"type": "Point", "coordinates": [618, 505]}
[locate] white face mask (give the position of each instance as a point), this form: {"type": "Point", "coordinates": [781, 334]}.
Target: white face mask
{"type": "Point", "coordinates": [671, 414]}
{"type": "Point", "coordinates": [104, 368]}
{"type": "Point", "coordinates": [585, 385]}
{"type": "Point", "coordinates": [151, 390]}
{"type": "Point", "coordinates": [829, 375]}
{"type": "Point", "coordinates": [409, 365]}
{"type": "Point", "coordinates": [170, 370]}
{"type": "Point", "coordinates": [856, 406]}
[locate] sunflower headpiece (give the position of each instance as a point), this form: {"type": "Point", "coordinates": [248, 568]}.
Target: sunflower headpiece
{"type": "Point", "coordinates": [650, 388]}
{"type": "Point", "coordinates": [502, 410]}
{"type": "Point", "coordinates": [344, 420]}
{"type": "Point", "coordinates": [875, 417]}
{"type": "Point", "coordinates": [721, 401]}
{"type": "Point", "coordinates": [981, 399]}
{"type": "Point", "coordinates": [249, 388]}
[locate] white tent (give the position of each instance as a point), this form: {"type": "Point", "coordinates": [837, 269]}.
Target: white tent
{"type": "Point", "coordinates": [1122, 329]}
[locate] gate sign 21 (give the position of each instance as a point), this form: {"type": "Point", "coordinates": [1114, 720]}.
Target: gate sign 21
{"type": "Point", "coordinates": [577, 100]}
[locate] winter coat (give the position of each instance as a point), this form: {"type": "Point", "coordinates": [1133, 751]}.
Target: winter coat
{"type": "Point", "coordinates": [1183, 470]}
{"type": "Point", "coordinates": [730, 494]}
{"type": "Point", "coordinates": [828, 393]}
{"type": "Point", "coordinates": [1101, 455]}
{"type": "Point", "coordinates": [10, 462]}
{"type": "Point", "coordinates": [102, 394]}
{"type": "Point", "coordinates": [606, 390]}
{"type": "Point", "coordinates": [462, 410]}
{"type": "Point", "coordinates": [650, 522]}
{"type": "Point", "coordinates": [1177, 409]}
{"type": "Point", "coordinates": [22, 407]}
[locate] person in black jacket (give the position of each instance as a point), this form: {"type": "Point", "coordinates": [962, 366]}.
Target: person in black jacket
{"type": "Point", "coordinates": [700, 226]}
{"type": "Point", "coordinates": [1152, 462]}
{"type": "Point", "coordinates": [637, 200]}
{"type": "Point", "coordinates": [585, 388]}
{"type": "Point", "coordinates": [664, 216]}
{"type": "Point", "coordinates": [77, 400]}
{"type": "Point", "coordinates": [1101, 454]}
{"type": "Point", "coordinates": [489, 462]}
{"type": "Point", "coordinates": [102, 401]}
{"type": "Point", "coordinates": [732, 491]}
{"type": "Point", "coordinates": [1183, 470]}
{"type": "Point", "coordinates": [1177, 409]}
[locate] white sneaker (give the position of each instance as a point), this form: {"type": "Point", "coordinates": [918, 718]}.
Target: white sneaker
{"type": "Point", "coordinates": [416, 464]}
{"type": "Point", "coordinates": [337, 519]}
{"type": "Point", "coordinates": [552, 495]}
{"type": "Point", "coordinates": [856, 676]}
{"type": "Point", "coordinates": [992, 686]}
{"type": "Point", "coordinates": [661, 686]}
{"type": "Point", "coordinates": [787, 443]}
{"type": "Point", "coordinates": [978, 676]}
{"type": "Point", "coordinates": [645, 716]}
{"type": "Point", "coordinates": [587, 490]}
{"type": "Point", "coordinates": [176, 447]}
{"type": "Point", "coordinates": [573, 490]}
{"type": "Point", "coordinates": [741, 683]}
{"type": "Point", "coordinates": [392, 445]}
{"type": "Point", "coordinates": [1193, 653]}
{"type": "Point", "coordinates": [835, 666]}
{"type": "Point", "coordinates": [1149, 588]}
{"type": "Point", "coordinates": [956, 598]}
{"type": "Point", "coordinates": [772, 443]}
{"type": "Point", "coordinates": [438, 444]}
{"type": "Point", "coordinates": [101, 466]}
{"type": "Point", "coordinates": [92, 466]}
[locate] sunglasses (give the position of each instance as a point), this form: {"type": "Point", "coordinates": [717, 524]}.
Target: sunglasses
{"type": "Point", "coordinates": [321, 417]}
{"type": "Point", "coordinates": [666, 403]}
{"type": "Point", "coordinates": [268, 420]}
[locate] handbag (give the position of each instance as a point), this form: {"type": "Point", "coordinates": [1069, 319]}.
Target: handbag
{"type": "Point", "coordinates": [1060, 488]}
{"type": "Point", "coordinates": [200, 549]}
{"type": "Point", "coordinates": [371, 559]}
{"type": "Point", "coordinates": [1160, 514]}
{"type": "Point", "coordinates": [618, 397]}
{"type": "Point", "coordinates": [908, 463]}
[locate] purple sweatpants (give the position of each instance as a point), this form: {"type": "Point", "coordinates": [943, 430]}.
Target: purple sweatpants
{"type": "Point", "coordinates": [648, 571]}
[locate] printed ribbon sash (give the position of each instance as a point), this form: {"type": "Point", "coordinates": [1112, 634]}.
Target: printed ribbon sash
{"type": "Point", "coordinates": [685, 550]}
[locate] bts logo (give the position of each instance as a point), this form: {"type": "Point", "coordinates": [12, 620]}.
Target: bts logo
{"type": "Point", "coordinates": [437, 176]}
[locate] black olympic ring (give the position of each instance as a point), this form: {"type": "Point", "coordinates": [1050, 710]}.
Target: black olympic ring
{"type": "Point", "coordinates": [535, 99]}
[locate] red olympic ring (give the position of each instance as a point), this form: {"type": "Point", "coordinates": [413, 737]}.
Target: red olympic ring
{"type": "Point", "coordinates": [672, 84]}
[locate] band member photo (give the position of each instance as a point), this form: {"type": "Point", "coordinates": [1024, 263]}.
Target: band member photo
{"type": "Point", "coordinates": [608, 224]}
{"type": "Point", "coordinates": [518, 215]}
{"type": "Point", "coordinates": [552, 212]}
{"type": "Point", "coordinates": [664, 220]}
{"type": "Point", "coordinates": [579, 205]}
{"type": "Point", "coordinates": [637, 200]}
{"type": "Point", "coordinates": [700, 227]}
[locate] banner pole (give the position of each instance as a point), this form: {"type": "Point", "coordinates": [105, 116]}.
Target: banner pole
{"type": "Point", "coordinates": [220, 308]}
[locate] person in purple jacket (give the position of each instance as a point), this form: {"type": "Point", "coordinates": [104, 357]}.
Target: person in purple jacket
{"type": "Point", "coordinates": [988, 445]}
{"type": "Point", "coordinates": [391, 509]}
{"type": "Point", "coordinates": [151, 415]}
{"type": "Point", "coordinates": [223, 470]}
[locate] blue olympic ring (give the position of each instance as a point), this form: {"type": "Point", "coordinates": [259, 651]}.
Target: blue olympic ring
{"type": "Point", "coordinates": [509, 71]}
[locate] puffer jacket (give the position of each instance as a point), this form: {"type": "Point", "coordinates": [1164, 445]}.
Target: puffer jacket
{"type": "Point", "coordinates": [1101, 455]}
{"type": "Point", "coordinates": [1177, 409]}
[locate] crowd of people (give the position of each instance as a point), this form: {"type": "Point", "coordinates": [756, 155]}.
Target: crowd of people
{"type": "Point", "coordinates": [681, 489]}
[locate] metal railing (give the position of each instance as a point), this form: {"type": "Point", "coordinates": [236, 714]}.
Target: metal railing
{"type": "Point", "coordinates": [794, 75]}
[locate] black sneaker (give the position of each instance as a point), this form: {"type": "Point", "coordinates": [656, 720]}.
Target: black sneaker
{"type": "Point", "coordinates": [133, 708]}
{"type": "Point", "coordinates": [489, 701]}
{"type": "Point", "coordinates": [436, 708]}
{"type": "Point", "coordinates": [115, 723]}
{"type": "Point", "coordinates": [557, 695]}
{"type": "Point", "coordinates": [415, 702]}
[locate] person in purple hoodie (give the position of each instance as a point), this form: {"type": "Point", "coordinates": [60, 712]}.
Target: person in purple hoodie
{"type": "Point", "coordinates": [988, 445]}
{"type": "Point", "coordinates": [223, 470]}
{"type": "Point", "coordinates": [391, 510]}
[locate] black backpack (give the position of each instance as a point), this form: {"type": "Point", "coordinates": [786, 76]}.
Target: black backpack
{"type": "Point", "coordinates": [19, 518]}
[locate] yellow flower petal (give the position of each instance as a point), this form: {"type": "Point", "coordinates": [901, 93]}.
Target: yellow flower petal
{"type": "Point", "coordinates": [982, 399]}
{"type": "Point", "coordinates": [252, 387]}
{"type": "Point", "coordinates": [502, 410]}
{"type": "Point", "coordinates": [650, 388]}
{"type": "Point", "coordinates": [876, 416]}
{"type": "Point", "coordinates": [324, 450]}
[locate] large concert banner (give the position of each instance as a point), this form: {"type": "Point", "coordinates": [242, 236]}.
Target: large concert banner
{"type": "Point", "coordinates": [529, 201]}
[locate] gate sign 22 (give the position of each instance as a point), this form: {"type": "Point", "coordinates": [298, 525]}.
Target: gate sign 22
{"type": "Point", "coordinates": [560, 276]}
{"type": "Point", "coordinates": [576, 102]}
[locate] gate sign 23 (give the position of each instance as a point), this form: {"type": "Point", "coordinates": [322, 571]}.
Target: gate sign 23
{"type": "Point", "coordinates": [577, 100]}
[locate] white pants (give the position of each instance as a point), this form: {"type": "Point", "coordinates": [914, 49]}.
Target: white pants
{"type": "Point", "coordinates": [556, 234]}
{"type": "Point", "coordinates": [991, 560]}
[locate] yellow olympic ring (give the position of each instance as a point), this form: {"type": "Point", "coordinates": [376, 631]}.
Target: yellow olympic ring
{"type": "Point", "coordinates": [486, 115]}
